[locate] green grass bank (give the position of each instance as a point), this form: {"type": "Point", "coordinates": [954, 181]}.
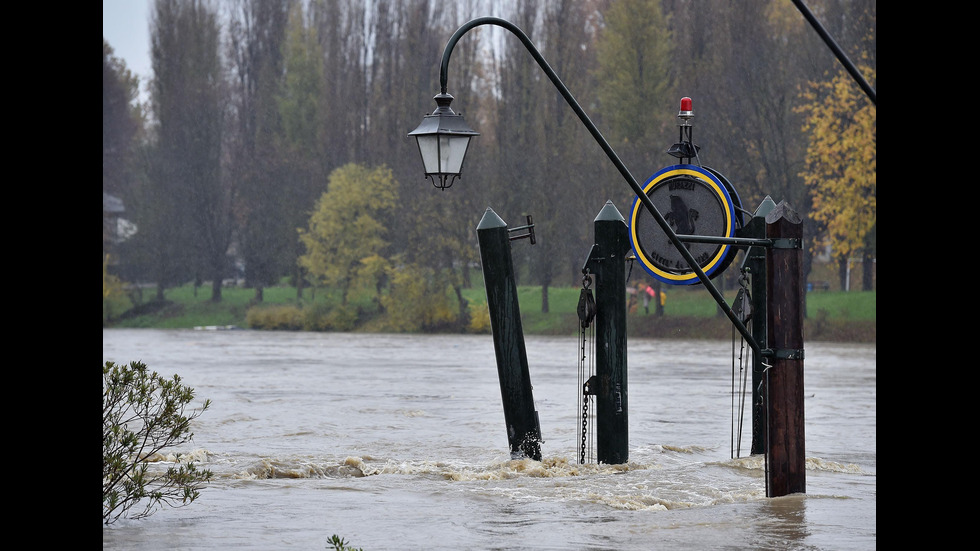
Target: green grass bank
{"type": "Point", "coordinates": [690, 312]}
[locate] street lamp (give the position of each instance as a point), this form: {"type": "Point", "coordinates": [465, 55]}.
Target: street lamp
{"type": "Point", "coordinates": [443, 138]}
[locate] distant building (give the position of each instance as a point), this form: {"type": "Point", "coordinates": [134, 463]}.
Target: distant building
{"type": "Point", "coordinates": [115, 228]}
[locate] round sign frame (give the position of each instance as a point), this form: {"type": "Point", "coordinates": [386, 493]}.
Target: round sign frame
{"type": "Point", "coordinates": [668, 189]}
{"type": "Point", "coordinates": [739, 219]}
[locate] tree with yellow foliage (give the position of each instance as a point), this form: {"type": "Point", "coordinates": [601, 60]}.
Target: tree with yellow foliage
{"type": "Point", "coordinates": [347, 233]}
{"type": "Point", "coordinates": [841, 168]}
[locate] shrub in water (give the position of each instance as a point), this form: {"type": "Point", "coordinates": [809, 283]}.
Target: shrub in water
{"type": "Point", "coordinates": [143, 414]}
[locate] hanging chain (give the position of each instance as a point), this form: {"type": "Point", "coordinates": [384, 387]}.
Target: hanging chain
{"type": "Point", "coordinates": [586, 313]}
{"type": "Point", "coordinates": [585, 423]}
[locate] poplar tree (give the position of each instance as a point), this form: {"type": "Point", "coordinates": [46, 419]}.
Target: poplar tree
{"type": "Point", "coordinates": [434, 231]}
{"type": "Point", "coordinates": [576, 178]}
{"type": "Point", "coordinates": [257, 36]}
{"type": "Point", "coordinates": [634, 79]}
{"type": "Point", "coordinates": [302, 142]}
{"type": "Point", "coordinates": [187, 222]}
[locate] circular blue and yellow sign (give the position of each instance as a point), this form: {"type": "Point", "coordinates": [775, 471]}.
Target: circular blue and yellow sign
{"type": "Point", "coordinates": [694, 201]}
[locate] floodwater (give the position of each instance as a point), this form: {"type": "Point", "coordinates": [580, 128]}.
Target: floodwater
{"type": "Point", "coordinates": [398, 442]}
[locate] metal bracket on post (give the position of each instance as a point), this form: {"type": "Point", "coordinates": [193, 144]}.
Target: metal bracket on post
{"type": "Point", "coordinates": [784, 353]}
{"type": "Point", "coordinates": [528, 231]}
{"type": "Point", "coordinates": [787, 243]}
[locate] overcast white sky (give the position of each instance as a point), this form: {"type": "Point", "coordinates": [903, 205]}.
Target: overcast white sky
{"type": "Point", "coordinates": [125, 25]}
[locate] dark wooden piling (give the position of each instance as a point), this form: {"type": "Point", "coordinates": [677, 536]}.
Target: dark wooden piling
{"type": "Point", "coordinates": [608, 263]}
{"type": "Point", "coordinates": [520, 418]}
{"type": "Point", "coordinates": [786, 458]}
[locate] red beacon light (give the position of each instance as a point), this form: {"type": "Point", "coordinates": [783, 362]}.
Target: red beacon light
{"type": "Point", "coordinates": [685, 148]}
{"type": "Point", "coordinates": [687, 109]}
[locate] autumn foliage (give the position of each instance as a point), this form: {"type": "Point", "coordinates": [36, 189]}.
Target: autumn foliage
{"type": "Point", "coordinates": [841, 167]}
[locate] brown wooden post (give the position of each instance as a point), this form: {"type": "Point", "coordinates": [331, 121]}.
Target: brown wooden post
{"type": "Point", "coordinates": [785, 457]}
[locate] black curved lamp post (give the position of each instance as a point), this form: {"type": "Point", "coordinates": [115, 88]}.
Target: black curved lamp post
{"type": "Point", "coordinates": [442, 166]}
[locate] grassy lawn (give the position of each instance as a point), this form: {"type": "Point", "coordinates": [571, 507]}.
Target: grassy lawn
{"type": "Point", "coordinates": [694, 302]}
{"type": "Point", "coordinates": [185, 308]}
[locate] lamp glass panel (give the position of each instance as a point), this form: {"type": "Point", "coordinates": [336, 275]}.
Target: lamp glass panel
{"type": "Point", "coordinates": [429, 148]}
{"type": "Point", "coordinates": [453, 149]}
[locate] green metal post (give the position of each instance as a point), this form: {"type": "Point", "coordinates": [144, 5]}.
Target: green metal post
{"type": "Point", "coordinates": [523, 428]}
{"type": "Point", "coordinates": [607, 262]}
